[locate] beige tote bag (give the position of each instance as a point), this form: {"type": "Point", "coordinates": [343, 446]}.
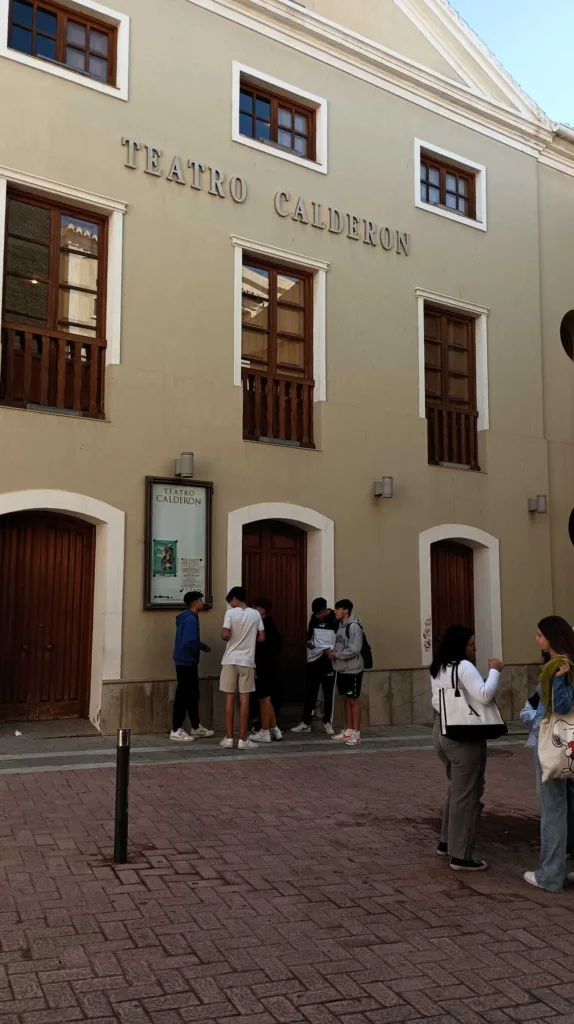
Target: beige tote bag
{"type": "Point", "coordinates": [556, 746]}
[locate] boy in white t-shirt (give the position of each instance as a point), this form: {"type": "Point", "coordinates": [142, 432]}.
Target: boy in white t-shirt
{"type": "Point", "coordinates": [242, 629]}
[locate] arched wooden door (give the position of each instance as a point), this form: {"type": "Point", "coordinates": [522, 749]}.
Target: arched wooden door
{"type": "Point", "coordinates": [46, 611]}
{"type": "Point", "coordinates": [275, 567]}
{"type": "Point", "coordinates": [452, 576]}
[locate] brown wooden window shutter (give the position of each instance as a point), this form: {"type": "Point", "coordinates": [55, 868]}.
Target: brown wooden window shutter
{"type": "Point", "coordinates": [54, 305]}
{"type": "Point", "coordinates": [447, 186]}
{"type": "Point", "coordinates": [65, 36]}
{"type": "Point", "coordinates": [277, 353]}
{"type": "Point", "coordinates": [450, 388]}
{"type": "Point", "coordinates": [270, 118]}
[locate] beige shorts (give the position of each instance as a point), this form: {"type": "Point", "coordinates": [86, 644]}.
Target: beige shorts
{"type": "Point", "coordinates": [234, 676]}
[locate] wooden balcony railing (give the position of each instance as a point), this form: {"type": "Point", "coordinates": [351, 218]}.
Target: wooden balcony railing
{"type": "Point", "coordinates": [277, 409]}
{"type": "Point", "coordinates": [452, 437]}
{"type": "Point", "coordinates": [52, 369]}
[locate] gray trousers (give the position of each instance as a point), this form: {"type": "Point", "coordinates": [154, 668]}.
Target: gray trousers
{"type": "Point", "coordinates": [465, 765]}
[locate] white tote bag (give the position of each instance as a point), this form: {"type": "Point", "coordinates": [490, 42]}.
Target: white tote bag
{"type": "Point", "coordinates": [463, 719]}
{"type": "Point", "coordinates": [556, 746]}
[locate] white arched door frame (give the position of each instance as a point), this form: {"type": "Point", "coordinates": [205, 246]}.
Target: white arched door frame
{"type": "Point", "coordinates": [320, 543]}
{"type": "Point", "coordinates": [108, 577]}
{"type": "Point", "coordinates": [487, 603]}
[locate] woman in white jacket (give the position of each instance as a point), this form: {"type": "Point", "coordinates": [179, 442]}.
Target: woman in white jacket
{"type": "Point", "coordinates": [465, 762]}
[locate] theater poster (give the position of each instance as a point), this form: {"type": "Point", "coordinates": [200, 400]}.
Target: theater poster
{"type": "Point", "coordinates": [178, 541]}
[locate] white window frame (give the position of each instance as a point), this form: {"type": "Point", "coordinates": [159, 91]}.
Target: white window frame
{"type": "Point", "coordinates": [120, 21]}
{"type": "Point", "coordinates": [461, 162]}
{"type": "Point", "coordinates": [319, 270]}
{"type": "Point", "coordinates": [480, 315]}
{"type": "Point", "coordinates": [290, 92]}
{"type": "Point", "coordinates": [112, 209]}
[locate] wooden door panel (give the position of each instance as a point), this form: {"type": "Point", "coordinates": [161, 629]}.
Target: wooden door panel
{"type": "Point", "coordinates": [284, 542]}
{"type": "Point", "coordinates": [452, 575]}
{"type": "Point", "coordinates": [16, 653]}
{"type": "Point", "coordinates": [285, 574]}
{"type": "Point", "coordinates": [46, 593]}
{"type": "Point", "coordinates": [274, 566]}
{"type": "Point", "coordinates": [61, 647]}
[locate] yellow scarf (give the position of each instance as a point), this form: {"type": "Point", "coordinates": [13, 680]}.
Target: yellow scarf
{"type": "Point", "coordinates": [547, 673]}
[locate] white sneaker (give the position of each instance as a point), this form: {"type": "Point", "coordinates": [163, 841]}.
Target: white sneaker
{"type": "Point", "coordinates": [329, 729]}
{"type": "Point", "coordinates": [181, 736]}
{"type": "Point", "coordinates": [227, 741]}
{"type": "Point", "coordinates": [530, 877]}
{"type": "Point", "coordinates": [263, 736]}
{"type": "Point", "coordinates": [202, 732]}
{"type": "Point", "coordinates": [276, 733]}
{"type": "Point", "coordinates": [246, 745]}
{"type": "Point", "coordinates": [342, 737]}
{"type": "Point", "coordinates": [302, 727]}
{"type": "Point", "coordinates": [353, 740]}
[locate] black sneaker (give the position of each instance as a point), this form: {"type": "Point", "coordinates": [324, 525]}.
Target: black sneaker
{"type": "Point", "coordinates": [442, 850]}
{"type": "Point", "coordinates": [468, 865]}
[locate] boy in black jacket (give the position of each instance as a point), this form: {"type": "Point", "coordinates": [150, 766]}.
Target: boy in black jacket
{"type": "Point", "coordinates": [266, 656]}
{"type": "Point", "coordinates": [320, 671]}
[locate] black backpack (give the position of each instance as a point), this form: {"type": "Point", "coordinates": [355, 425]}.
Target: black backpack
{"type": "Point", "coordinates": [366, 650]}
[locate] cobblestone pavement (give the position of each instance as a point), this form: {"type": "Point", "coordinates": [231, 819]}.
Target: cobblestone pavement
{"type": "Point", "coordinates": [293, 890]}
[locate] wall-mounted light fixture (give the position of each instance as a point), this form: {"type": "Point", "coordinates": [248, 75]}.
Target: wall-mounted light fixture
{"type": "Point", "coordinates": [184, 466]}
{"type": "Point", "coordinates": [538, 504]}
{"type": "Point", "coordinates": [384, 488]}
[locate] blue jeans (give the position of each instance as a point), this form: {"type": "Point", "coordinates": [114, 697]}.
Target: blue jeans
{"type": "Point", "coordinates": [556, 798]}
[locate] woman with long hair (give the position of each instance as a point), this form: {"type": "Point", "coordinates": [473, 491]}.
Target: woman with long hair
{"type": "Point", "coordinates": [465, 762]}
{"type": "Point", "coordinates": [555, 639]}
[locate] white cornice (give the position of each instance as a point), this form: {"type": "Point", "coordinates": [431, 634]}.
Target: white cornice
{"type": "Point", "coordinates": [286, 255]}
{"type": "Point", "coordinates": [452, 302]}
{"type": "Point", "coordinates": [558, 161]}
{"type": "Point", "coordinates": [526, 129]}
{"type": "Point", "coordinates": [423, 24]}
{"type": "Point", "coordinates": [60, 189]}
{"type": "Point", "coordinates": [455, 24]}
{"type": "Point", "coordinates": [340, 47]}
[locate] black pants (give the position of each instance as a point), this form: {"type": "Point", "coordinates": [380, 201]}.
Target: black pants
{"type": "Point", "coordinates": [268, 689]}
{"type": "Point", "coordinates": [320, 673]}
{"type": "Point", "coordinates": [186, 697]}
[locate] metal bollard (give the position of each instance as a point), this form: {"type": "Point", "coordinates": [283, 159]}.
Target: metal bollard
{"type": "Point", "coordinates": [122, 783]}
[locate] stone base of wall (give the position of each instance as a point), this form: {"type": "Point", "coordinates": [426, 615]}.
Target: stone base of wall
{"type": "Point", "coordinates": [146, 707]}
{"type": "Point", "coordinates": [400, 697]}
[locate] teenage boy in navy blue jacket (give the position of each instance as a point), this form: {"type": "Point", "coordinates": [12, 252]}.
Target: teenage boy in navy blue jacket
{"type": "Point", "coordinates": [186, 652]}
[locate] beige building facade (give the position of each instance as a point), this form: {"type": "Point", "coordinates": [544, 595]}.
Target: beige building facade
{"type": "Point", "coordinates": [317, 245]}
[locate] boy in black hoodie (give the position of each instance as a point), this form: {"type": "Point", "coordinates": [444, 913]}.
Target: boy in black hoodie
{"type": "Point", "coordinates": [320, 671]}
{"type": "Point", "coordinates": [266, 655]}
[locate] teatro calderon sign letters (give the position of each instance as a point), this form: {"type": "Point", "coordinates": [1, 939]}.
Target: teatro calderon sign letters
{"type": "Point", "coordinates": [205, 178]}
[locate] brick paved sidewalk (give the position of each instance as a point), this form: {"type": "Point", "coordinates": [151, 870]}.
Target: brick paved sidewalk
{"type": "Point", "coordinates": [290, 891]}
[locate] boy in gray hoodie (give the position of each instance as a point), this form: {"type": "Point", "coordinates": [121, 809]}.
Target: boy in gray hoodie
{"type": "Point", "coordinates": [348, 663]}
